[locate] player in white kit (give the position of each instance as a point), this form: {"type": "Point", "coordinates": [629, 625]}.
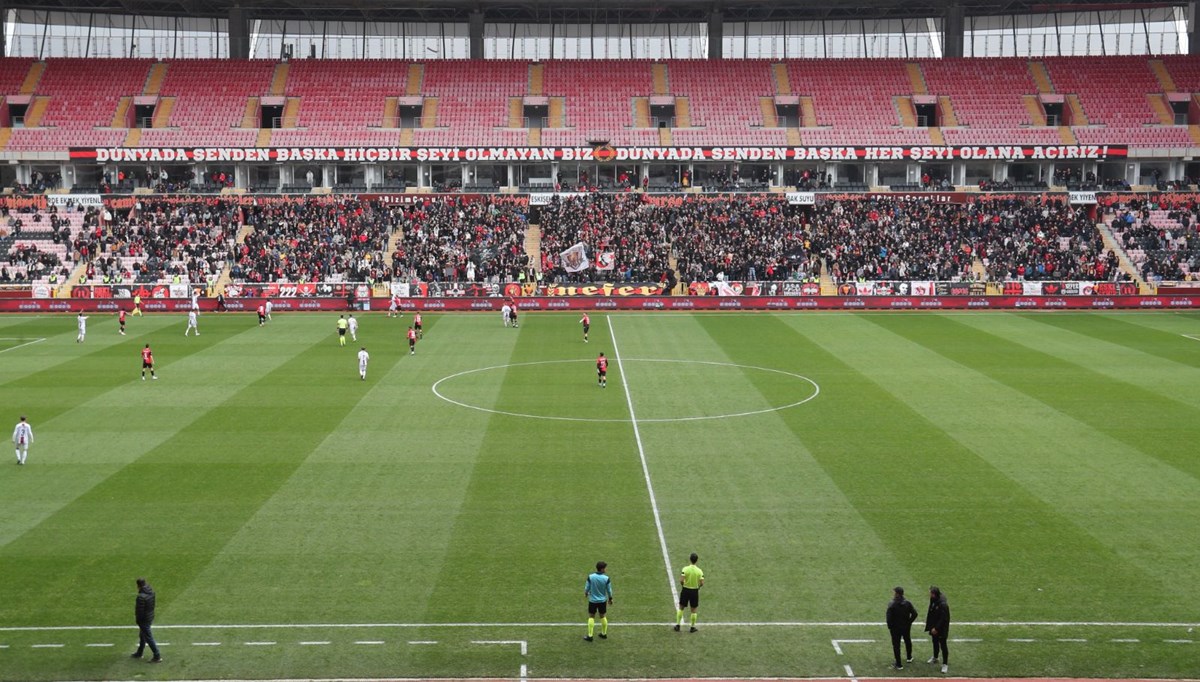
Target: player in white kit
{"type": "Point", "coordinates": [82, 321]}
{"type": "Point", "coordinates": [22, 437]}
{"type": "Point", "coordinates": [192, 323]}
{"type": "Point", "coordinates": [363, 358]}
{"type": "Point", "coordinates": [506, 313]}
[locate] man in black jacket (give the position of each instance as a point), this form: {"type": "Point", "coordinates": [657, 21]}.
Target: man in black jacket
{"type": "Point", "coordinates": [143, 612]}
{"type": "Point", "coordinates": [900, 616]}
{"type": "Point", "coordinates": [937, 624]}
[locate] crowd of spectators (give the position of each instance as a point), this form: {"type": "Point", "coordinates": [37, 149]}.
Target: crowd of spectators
{"type": "Point", "coordinates": [629, 237]}
{"type": "Point", "coordinates": [1161, 238]}
{"type": "Point", "coordinates": [314, 240]}
{"type": "Point", "coordinates": [456, 240]}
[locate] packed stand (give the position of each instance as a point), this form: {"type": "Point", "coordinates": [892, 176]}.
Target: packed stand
{"type": "Point", "coordinates": [313, 240]}
{"type": "Point", "coordinates": [453, 240]}
{"type": "Point", "coordinates": [731, 238]}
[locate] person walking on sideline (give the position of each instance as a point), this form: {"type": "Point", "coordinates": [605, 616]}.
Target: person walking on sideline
{"type": "Point", "coordinates": [937, 624]}
{"type": "Point", "coordinates": [690, 580]}
{"type": "Point", "coordinates": [22, 437]}
{"type": "Point", "coordinates": [143, 613]}
{"type": "Point", "coordinates": [598, 589]}
{"type": "Point", "coordinates": [901, 614]}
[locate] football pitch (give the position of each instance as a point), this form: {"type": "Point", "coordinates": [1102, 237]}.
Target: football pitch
{"type": "Point", "coordinates": [439, 518]}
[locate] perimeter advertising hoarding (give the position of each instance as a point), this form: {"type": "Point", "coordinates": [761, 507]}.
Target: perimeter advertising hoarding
{"type": "Point", "coordinates": [551, 304]}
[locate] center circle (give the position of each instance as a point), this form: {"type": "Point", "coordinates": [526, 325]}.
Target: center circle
{"type": "Point", "coordinates": [812, 390]}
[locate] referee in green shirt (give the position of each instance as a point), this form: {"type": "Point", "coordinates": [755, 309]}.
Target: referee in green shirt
{"type": "Point", "coordinates": [692, 579]}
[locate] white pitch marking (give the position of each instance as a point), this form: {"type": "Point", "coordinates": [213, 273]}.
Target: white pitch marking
{"type": "Point", "coordinates": [651, 624]}
{"type": "Point", "coordinates": [423, 642]}
{"type": "Point", "coordinates": [206, 644]}
{"type": "Point", "coordinates": [1021, 639]}
{"type": "Point", "coordinates": [1068, 639]}
{"type": "Point", "coordinates": [370, 642]}
{"type": "Point", "coordinates": [657, 420]}
{"type": "Point", "coordinates": [314, 643]}
{"type": "Point", "coordinates": [637, 435]}
{"type": "Point", "coordinates": [966, 639]}
{"type": "Point", "coordinates": [523, 643]}
{"type": "Point", "coordinates": [838, 642]}
{"type": "Point", "coordinates": [100, 644]}
{"type": "Point", "coordinates": [46, 646]}
{"type": "Point", "coordinates": [259, 643]}
{"type": "Point", "coordinates": [1125, 641]}
{"type": "Point", "coordinates": [27, 343]}
{"type": "Point", "coordinates": [850, 673]}
{"type": "Point", "coordinates": [1178, 641]}
{"type": "Point", "coordinates": [524, 671]}
{"type": "Point", "coordinates": [1192, 337]}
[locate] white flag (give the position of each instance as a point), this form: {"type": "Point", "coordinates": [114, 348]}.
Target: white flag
{"type": "Point", "coordinates": [606, 260]}
{"type": "Point", "coordinates": [575, 258]}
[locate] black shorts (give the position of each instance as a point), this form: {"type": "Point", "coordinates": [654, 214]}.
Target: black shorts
{"type": "Point", "coordinates": [417, 326]}
{"type": "Point", "coordinates": [595, 607]}
{"type": "Point", "coordinates": [341, 332]}
{"type": "Point", "coordinates": [585, 328]}
{"type": "Point", "coordinates": [601, 372]}
{"type": "Point", "coordinates": [412, 342]}
{"type": "Point", "coordinates": [147, 365]}
{"type": "Point", "coordinates": [689, 596]}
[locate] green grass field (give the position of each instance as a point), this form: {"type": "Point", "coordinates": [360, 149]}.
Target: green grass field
{"type": "Point", "coordinates": [1041, 468]}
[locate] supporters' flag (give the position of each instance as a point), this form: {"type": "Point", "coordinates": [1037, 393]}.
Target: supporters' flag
{"type": "Point", "coordinates": [575, 258]}
{"type": "Point", "coordinates": [606, 260]}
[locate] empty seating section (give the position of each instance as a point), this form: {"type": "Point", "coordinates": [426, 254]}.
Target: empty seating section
{"type": "Point", "coordinates": [472, 100]}
{"type": "Point", "coordinates": [1112, 90]}
{"type": "Point", "coordinates": [72, 118]}
{"type": "Point", "coordinates": [468, 103]}
{"type": "Point", "coordinates": [12, 74]}
{"type": "Point", "coordinates": [211, 96]}
{"type": "Point", "coordinates": [723, 114]}
{"type": "Point", "coordinates": [599, 100]}
{"type": "Point", "coordinates": [853, 99]}
{"type": "Point", "coordinates": [986, 93]}
{"type": "Point", "coordinates": [1184, 70]}
{"type": "Point", "coordinates": [344, 99]}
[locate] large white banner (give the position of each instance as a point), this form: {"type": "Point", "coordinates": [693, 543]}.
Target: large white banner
{"type": "Point", "coordinates": [575, 258]}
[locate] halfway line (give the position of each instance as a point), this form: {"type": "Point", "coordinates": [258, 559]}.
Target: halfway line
{"type": "Point", "coordinates": [637, 435]}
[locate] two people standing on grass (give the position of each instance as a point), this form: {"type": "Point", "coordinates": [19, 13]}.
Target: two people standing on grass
{"type": "Point", "coordinates": [901, 614]}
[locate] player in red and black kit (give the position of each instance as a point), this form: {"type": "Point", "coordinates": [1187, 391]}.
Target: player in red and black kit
{"type": "Point", "coordinates": [148, 362]}
{"type": "Point", "coordinates": [587, 324]}
{"type": "Point", "coordinates": [121, 319]}
{"type": "Point", "coordinates": [602, 371]}
{"type": "Point", "coordinates": [417, 326]}
{"type": "Point", "coordinates": [262, 314]}
{"type": "Point", "coordinates": [412, 341]}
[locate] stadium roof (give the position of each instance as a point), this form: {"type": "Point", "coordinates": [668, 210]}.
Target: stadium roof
{"type": "Point", "coordinates": [575, 11]}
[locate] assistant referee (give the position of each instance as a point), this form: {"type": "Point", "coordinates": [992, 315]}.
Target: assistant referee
{"type": "Point", "coordinates": [691, 580]}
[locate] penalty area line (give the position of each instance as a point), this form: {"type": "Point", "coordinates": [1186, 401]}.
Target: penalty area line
{"type": "Point", "coordinates": [22, 345]}
{"type": "Point", "coordinates": [654, 624]}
